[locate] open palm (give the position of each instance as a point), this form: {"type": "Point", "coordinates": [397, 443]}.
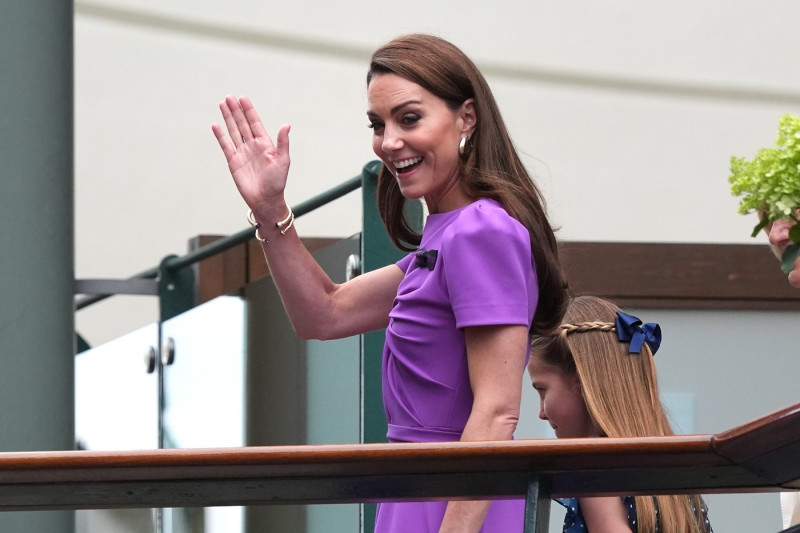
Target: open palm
{"type": "Point", "coordinates": [259, 167]}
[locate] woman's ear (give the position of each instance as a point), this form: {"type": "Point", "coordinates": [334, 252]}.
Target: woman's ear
{"type": "Point", "coordinates": [468, 116]}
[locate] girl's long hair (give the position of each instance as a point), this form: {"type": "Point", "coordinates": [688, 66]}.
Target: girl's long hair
{"type": "Point", "coordinates": [620, 390]}
{"type": "Point", "coordinates": [491, 170]}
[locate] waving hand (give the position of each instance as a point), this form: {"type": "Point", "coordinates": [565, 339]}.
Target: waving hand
{"type": "Point", "coordinates": [259, 167]}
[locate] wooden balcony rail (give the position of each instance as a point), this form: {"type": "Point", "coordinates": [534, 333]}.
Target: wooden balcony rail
{"type": "Point", "coordinates": [763, 455]}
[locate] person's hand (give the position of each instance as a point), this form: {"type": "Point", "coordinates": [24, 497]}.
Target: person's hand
{"type": "Point", "coordinates": [780, 240]}
{"type": "Point", "coordinates": [258, 166]}
{"type": "Point", "coordinates": [794, 275]}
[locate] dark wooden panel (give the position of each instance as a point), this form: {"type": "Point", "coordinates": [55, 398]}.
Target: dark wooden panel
{"type": "Point", "coordinates": [257, 265]}
{"type": "Point", "coordinates": [660, 275]}
{"type": "Point", "coordinates": [221, 274]}
{"type": "Point", "coordinates": [234, 268]}
{"type": "Point", "coordinates": [679, 275]}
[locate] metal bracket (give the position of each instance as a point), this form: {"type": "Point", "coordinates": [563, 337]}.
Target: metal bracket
{"type": "Point", "coordinates": [176, 289]}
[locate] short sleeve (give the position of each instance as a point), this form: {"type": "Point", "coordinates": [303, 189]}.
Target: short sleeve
{"type": "Point", "coordinates": [405, 262]}
{"type": "Point", "coordinates": [488, 268]}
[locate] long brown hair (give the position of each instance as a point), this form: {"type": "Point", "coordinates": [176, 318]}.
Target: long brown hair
{"type": "Point", "coordinates": [492, 169]}
{"type": "Point", "coordinates": [620, 390]}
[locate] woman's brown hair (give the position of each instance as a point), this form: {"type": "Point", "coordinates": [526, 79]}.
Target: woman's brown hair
{"type": "Point", "coordinates": [620, 390]}
{"type": "Point", "coordinates": [491, 170]}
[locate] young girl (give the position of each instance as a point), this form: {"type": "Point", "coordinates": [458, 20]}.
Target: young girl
{"type": "Point", "coordinates": [596, 378]}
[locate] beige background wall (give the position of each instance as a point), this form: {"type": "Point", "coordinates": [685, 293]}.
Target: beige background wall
{"type": "Point", "coordinates": [627, 111]}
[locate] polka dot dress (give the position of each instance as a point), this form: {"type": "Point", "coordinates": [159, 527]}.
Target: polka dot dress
{"type": "Point", "coordinates": [574, 522]}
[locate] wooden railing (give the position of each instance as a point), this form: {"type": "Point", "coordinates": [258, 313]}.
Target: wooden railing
{"type": "Point", "coordinates": [763, 455]}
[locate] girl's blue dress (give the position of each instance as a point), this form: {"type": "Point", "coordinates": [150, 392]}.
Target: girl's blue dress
{"type": "Point", "coordinates": [574, 523]}
{"type": "Point", "coordinates": [573, 520]}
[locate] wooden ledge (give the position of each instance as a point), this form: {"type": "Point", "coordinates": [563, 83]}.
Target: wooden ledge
{"type": "Point", "coordinates": [358, 459]}
{"type": "Point", "coordinates": [769, 445]}
{"type": "Point", "coordinates": [763, 455]}
{"type": "Point", "coordinates": [370, 472]}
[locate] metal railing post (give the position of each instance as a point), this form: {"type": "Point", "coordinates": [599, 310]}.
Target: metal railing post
{"type": "Point", "coordinates": [537, 506]}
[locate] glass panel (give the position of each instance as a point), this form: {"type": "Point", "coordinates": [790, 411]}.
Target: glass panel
{"type": "Point", "coordinates": [116, 408]}
{"type": "Point", "coordinates": [116, 399]}
{"type": "Point", "coordinates": [333, 371]}
{"type": "Point", "coordinates": [203, 402]}
{"type": "Point", "coordinates": [301, 393]}
{"type": "Point", "coordinates": [204, 384]}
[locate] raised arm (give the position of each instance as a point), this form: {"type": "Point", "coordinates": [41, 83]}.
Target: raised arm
{"type": "Point", "coordinates": [605, 514]}
{"type": "Point", "coordinates": [317, 307]}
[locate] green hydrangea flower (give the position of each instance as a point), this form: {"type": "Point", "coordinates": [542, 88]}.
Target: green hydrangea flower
{"type": "Point", "coordinates": [770, 183]}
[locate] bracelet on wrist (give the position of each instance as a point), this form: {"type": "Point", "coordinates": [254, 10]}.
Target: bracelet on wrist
{"type": "Point", "coordinates": [282, 225]}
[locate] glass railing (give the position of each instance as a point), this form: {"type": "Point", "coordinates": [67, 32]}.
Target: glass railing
{"type": "Point", "coordinates": [231, 372]}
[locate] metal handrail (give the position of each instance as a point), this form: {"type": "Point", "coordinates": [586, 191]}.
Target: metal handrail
{"type": "Point", "coordinates": [221, 245]}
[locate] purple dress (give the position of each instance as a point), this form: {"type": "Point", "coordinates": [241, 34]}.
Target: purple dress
{"type": "Point", "coordinates": [481, 273]}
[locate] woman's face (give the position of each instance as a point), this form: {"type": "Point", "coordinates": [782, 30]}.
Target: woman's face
{"type": "Point", "coordinates": [560, 399]}
{"type": "Point", "coordinates": [416, 135]}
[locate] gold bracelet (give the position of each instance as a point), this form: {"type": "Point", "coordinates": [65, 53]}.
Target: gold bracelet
{"type": "Point", "coordinates": [289, 218]}
{"type": "Point", "coordinates": [288, 222]}
{"type": "Point", "coordinates": [251, 218]}
{"type": "Point", "coordinates": [289, 225]}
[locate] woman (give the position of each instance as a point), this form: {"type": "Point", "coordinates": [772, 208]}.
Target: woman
{"type": "Point", "coordinates": [459, 310]}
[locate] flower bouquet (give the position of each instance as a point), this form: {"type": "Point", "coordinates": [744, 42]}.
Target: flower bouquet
{"type": "Point", "coordinates": [770, 185]}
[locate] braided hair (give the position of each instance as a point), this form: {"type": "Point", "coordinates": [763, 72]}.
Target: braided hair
{"type": "Point", "coordinates": [620, 390]}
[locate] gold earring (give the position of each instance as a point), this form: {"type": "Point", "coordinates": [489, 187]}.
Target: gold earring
{"type": "Point", "coordinates": [463, 147]}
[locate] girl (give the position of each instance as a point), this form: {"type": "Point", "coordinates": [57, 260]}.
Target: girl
{"type": "Point", "coordinates": [596, 378]}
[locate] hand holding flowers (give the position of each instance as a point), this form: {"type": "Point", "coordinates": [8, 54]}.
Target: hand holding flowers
{"type": "Point", "coordinates": [770, 185]}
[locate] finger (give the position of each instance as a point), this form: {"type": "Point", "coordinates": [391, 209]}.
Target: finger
{"type": "Point", "coordinates": [283, 140]}
{"type": "Point", "coordinates": [238, 116]}
{"type": "Point", "coordinates": [224, 142]}
{"type": "Point", "coordinates": [230, 122]}
{"type": "Point", "coordinates": [256, 126]}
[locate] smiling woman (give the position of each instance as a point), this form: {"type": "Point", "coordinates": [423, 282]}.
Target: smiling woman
{"type": "Point", "coordinates": [458, 310]}
{"type": "Point", "coordinates": [414, 135]}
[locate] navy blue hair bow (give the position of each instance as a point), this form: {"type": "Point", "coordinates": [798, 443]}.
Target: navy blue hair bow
{"type": "Point", "coordinates": [426, 258]}
{"type": "Point", "coordinates": [630, 329]}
